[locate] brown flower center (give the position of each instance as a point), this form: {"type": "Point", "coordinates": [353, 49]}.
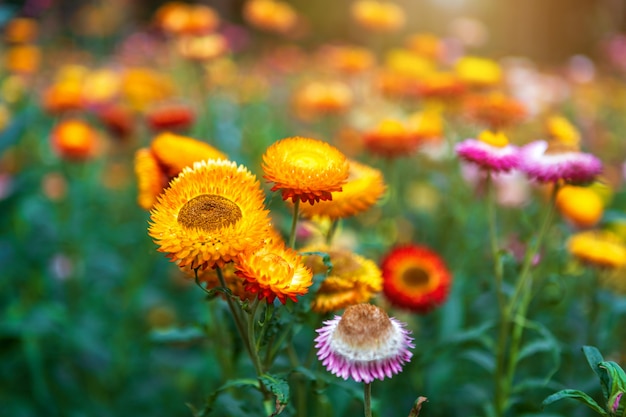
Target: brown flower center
{"type": "Point", "coordinates": [209, 212]}
{"type": "Point", "coordinates": [364, 325]}
{"type": "Point", "coordinates": [415, 277]}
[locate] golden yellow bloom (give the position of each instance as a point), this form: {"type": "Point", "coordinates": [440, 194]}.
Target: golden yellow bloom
{"type": "Point", "coordinates": [427, 124]}
{"type": "Point", "coordinates": [364, 187]}
{"type": "Point", "coordinates": [440, 85]}
{"type": "Point", "coordinates": [176, 151]}
{"type": "Point", "coordinates": [352, 280]}
{"type": "Point", "coordinates": [598, 248]}
{"type": "Point", "coordinates": [305, 169]}
{"type": "Point", "coordinates": [496, 139]}
{"type": "Point", "coordinates": [274, 271]}
{"type": "Point", "coordinates": [580, 205]}
{"type": "Point", "coordinates": [561, 130]}
{"type": "Point", "coordinates": [101, 86]}
{"type": "Point", "coordinates": [142, 87]}
{"type": "Point", "coordinates": [210, 214]}
{"type": "Point", "coordinates": [478, 72]}
{"type": "Point", "coordinates": [391, 138]}
{"type": "Point", "coordinates": [151, 179]}
{"type": "Point", "coordinates": [378, 16]}
{"type": "Point", "coordinates": [270, 15]}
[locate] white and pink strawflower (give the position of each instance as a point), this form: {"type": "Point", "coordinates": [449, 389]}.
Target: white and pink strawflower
{"type": "Point", "coordinates": [364, 344]}
{"type": "Point", "coordinates": [545, 163]}
{"type": "Point", "coordinates": [490, 151]}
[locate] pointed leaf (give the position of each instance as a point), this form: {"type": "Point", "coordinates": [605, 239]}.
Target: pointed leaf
{"type": "Point", "coordinates": [594, 358]}
{"type": "Point", "coordinates": [280, 388]}
{"type": "Point", "coordinates": [236, 383]}
{"type": "Point", "coordinates": [576, 395]}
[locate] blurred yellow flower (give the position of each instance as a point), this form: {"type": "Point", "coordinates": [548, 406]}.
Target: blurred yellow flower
{"type": "Point", "coordinates": [74, 139]}
{"type": "Point", "coordinates": [352, 280]}
{"type": "Point", "coordinates": [347, 59]}
{"type": "Point", "coordinates": [391, 138]}
{"type": "Point", "coordinates": [378, 16]}
{"type": "Point", "coordinates": [270, 15]}
{"type": "Point", "coordinates": [178, 18]}
{"type": "Point", "coordinates": [425, 45]}
{"type": "Point", "coordinates": [151, 179]}
{"type": "Point", "coordinates": [317, 98]}
{"type": "Point", "coordinates": [426, 124]}
{"type": "Point", "coordinates": [598, 248]}
{"type": "Point", "coordinates": [580, 205]}
{"type": "Point", "coordinates": [142, 87]}
{"type": "Point", "coordinates": [478, 72]}
{"type": "Point", "coordinates": [101, 87]}
{"type": "Point", "coordinates": [365, 186]}
{"type": "Point", "coordinates": [22, 59]}
{"type": "Point", "coordinates": [202, 48]}
{"type": "Point", "coordinates": [176, 152]}
{"type": "Point", "coordinates": [563, 131]}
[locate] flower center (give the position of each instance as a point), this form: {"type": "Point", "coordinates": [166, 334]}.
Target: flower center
{"type": "Point", "coordinates": [276, 266]}
{"type": "Point", "coordinates": [308, 159]}
{"type": "Point", "coordinates": [209, 212]}
{"type": "Point", "coordinates": [497, 139]}
{"type": "Point", "coordinates": [364, 325]}
{"type": "Point", "coordinates": [415, 277]}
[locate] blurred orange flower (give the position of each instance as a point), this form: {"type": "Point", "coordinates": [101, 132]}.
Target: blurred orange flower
{"type": "Point", "coordinates": [22, 59]}
{"type": "Point", "coordinates": [142, 87]}
{"type": "Point", "coordinates": [305, 169]}
{"type": "Point", "coordinates": [347, 59]}
{"type": "Point", "coordinates": [170, 116]}
{"type": "Point", "coordinates": [202, 48]}
{"type": "Point", "coordinates": [322, 98]}
{"type": "Point", "coordinates": [378, 16]}
{"type": "Point", "coordinates": [62, 97]}
{"type": "Point", "coordinates": [440, 85]}
{"type": "Point", "coordinates": [580, 205]}
{"type": "Point", "coordinates": [494, 110]}
{"type": "Point", "coordinates": [270, 15]}
{"type": "Point", "coordinates": [21, 30]}
{"type": "Point", "coordinates": [426, 45]}
{"type": "Point", "coordinates": [391, 138]}
{"type": "Point", "coordinates": [74, 139]}
{"type": "Point", "coordinates": [178, 18]}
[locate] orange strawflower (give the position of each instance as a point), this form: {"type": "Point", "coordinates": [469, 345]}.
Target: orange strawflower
{"type": "Point", "coordinates": [274, 271]}
{"type": "Point", "coordinates": [210, 214]}
{"type": "Point", "coordinates": [142, 87]}
{"type": "Point", "coordinates": [305, 169]}
{"type": "Point", "coordinates": [175, 152]}
{"type": "Point", "coordinates": [415, 278]}
{"type": "Point", "coordinates": [63, 97]}
{"type": "Point", "coordinates": [270, 15]}
{"type": "Point", "coordinates": [364, 187]}
{"type": "Point", "coordinates": [347, 59]}
{"type": "Point", "coordinates": [151, 179]}
{"type": "Point", "coordinates": [378, 16]}
{"type": "Point", "coordinates": [352, 280]}
{"type": "Point", "coordinates": [495, 110]}
{"type": "Point", "coordinates": [478, 72]}
{"type": "Point", "coordinates": [101, 87]}
{"type": "Point", "coordinates": [74, 139]}
{"type": "Point", "coordinates": [426, 45]}
{"type": "Point", "coordinates": [440, 85]}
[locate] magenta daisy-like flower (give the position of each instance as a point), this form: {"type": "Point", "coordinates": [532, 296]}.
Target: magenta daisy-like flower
{"type": "Point", "coordinates": [540, 163]}
{"type": "Point", "coordinates": [490, 151]}
{"type": "Point", "coordinates": [364, 344]}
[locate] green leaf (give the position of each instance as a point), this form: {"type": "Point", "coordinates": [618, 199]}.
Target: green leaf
{"type": "Point", "coordinates": [235, 383]}
{"type": "Point", "coordinates": [576, 395]}
{"type": "Point", "coordinates": [280, 388]}
{"type": "Point", "coordinates": [479, 334]}
{"type": "Point", "coordinates": [594, 358]}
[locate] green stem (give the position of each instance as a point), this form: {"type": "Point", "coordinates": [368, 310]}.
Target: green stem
{"type": "Point", "coordinates": [294, 223]}
{"type": "Point", "coordinates": [514, 317]}
{"type": "Point", "coordinates": [256, 361]}
{"type": "Point", "coordinates": [367, 399]}
{"type": "Point", "coordinates": [493, 237]}
{"type": "Point", "coordinates": [331, 231]}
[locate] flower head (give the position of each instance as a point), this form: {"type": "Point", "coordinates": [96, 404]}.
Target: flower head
{"type": "Point", "coordinates": [415, 278]}
{"type": "Point", "coordinates": [490, 151]}
{"type": "Point", "coordinates": [391, 138]}
{"type": "Point", "coordinates": [580, 205]}
{"type": "Point", "coordinates": [274, 271]}
{"type": "Point", "coordinates": [546, 163]}
{"type": "Point", "coordinates": [170, 116]}
{"type": "Point", "coordinates": [378, 16]}
{"type": "Point", "coordinates": [598, 248]}
{"type": "Point", "coordinates": [176, 151]}
{"type": "Point", "coordinates": [305, 169]}
{"type": "Point", "coordinates": [318, 98]}
{"type": "Point", "coordinates": [352, 280]}
{"type": "Point", "coordinates": [210, 214]}
{"type": "Point", "coordinates": [270, 15]}
{"type": "Point", "coordinates": [151, 179]}
{"type": "Point", "coordinates": [364, 344]}
{"type": "Point", "coordinates": [495, 110]}
{"type": "Point", "coordinates": [365, 186]}
{"type": "Point", "coordinates": [74, 139]}
{"type": "Point", "coordinates": [478, 72]}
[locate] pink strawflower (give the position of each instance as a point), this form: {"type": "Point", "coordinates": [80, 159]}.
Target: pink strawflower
{"type": "Point", "coordinates": [572, 166]}
{"type": "Point", "coordinates": [364, 344]}
{"type": "Point", "coordinates": [488, 156]}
